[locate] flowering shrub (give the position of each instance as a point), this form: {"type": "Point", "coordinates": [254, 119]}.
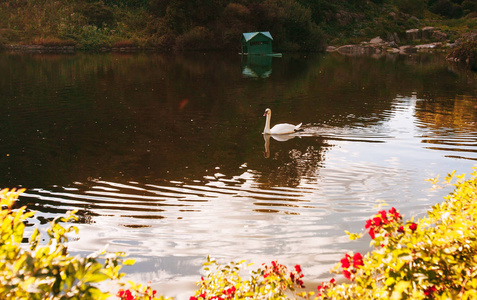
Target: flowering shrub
{"type": "Point", "coordinates": [273, 281]}
{"type": "Point", "coordinates": [433, 258]}
{"type": "Point", "coordinates": [35, 271]}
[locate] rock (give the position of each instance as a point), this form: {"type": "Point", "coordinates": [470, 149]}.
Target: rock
{"type": "Point", "coordinates": [408, 49]}
{"type": "Point", "coordinates": [426, 32]}
{"type": "Point", "coordinates": [412, 34]}
{"type": "Point", "coordinates": [393, 50]}
{"type": "Point", "coordinates": [431, 46]}
{"type": "Point", "coordinates": [376, 40]}
{"type": "Point", "coordinates": [392, 15]}
{"type": "Point", "coordinates": [451, 45]}
{"type": "Point", "coordinates": [358, 50]}
{"type": "Point", "coordinates": [392, 44]}
{"type": "Point", "coordinates": [349, 49]}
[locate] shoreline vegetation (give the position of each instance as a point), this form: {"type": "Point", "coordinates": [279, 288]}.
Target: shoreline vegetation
{"type": "Point", "coordinates": [168, 25]}
{"type": "Point", "coordinates": [347, 26]}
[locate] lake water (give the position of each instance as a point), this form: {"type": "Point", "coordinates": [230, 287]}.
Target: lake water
{"type": "Point", "coordinates": [164, 158]}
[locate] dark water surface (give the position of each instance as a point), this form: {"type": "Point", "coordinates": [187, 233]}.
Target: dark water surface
{"type": "Point", "coordinates": [164, 156]}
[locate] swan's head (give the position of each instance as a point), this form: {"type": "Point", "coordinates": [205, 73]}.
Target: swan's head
{"type": "Point", "coordinates": [267, 112]}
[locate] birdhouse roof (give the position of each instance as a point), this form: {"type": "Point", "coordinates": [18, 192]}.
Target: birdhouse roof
{"type": "Point", "coordinates": [250, 35]}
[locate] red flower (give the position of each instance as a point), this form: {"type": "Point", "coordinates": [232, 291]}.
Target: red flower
{"type": "Point", "coordinates": [413, 226]}
{"type": "Point", "coordinates": [347, 274]}
{"type": "Point", "coordinates": [369, 223]}
{"type": "Point", "coordinates": [384, 217]}
{"type": "Point", "coordinates": [298, 268]}
{"type": "Point", "coordinates": [300, 283]}
{"type": "Point", "coordinates": [430, 290]}
{"type": "Point", "coordinates": [332, 281]}
{"type": "Point", "coordinates": [401, 229]}
{"type": "Point", "coordinates": [345, 263]}
{"type": "Point", "coordinates": [394, 213]}
{"type": "Point", "coordinates": [192, 298]}
{"type": "Point", "coordinates": [371, 233]}
{"type": "Point", "coordinates": [230, 292]}
{"type": "Point", "coordinates": [358, 260]}
{"type": "Point", "coordinates": [125, 295]}
{"type": "Point", "coordinates": [377, 221]}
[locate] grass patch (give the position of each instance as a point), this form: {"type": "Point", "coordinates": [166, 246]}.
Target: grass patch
{"type": "Point", "coordinates": [52, 42]}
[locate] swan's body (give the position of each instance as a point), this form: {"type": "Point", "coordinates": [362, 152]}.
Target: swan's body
{"type": "Point", "coordinates": [282, 128]}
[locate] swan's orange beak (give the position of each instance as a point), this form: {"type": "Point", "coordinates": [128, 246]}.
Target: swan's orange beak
{"type": "Point", "coordinates": [265, 114]}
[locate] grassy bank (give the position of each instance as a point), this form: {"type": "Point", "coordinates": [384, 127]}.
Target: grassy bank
{"type": "Point", "coordinates": [296, 25]}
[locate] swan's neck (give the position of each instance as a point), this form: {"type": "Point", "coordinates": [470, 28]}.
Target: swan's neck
{"type": "Point", "coordinates": [266, 130]}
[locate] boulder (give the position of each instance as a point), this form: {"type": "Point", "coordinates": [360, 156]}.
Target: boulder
{"type": "Point", "coordinates": [393, 50]}
{"type": "Point", "coordinates": [431, 46]}
{"type": "Point", "coordinates": [412, 34]}
{"type": "Point", "coordinates": [427, 32]}
{"type": "Point", "coordinates": [357, 50]}
{"type": "Point", "coordinates": [408, 49]}
{"type": "Point", "coordinates": [376, 40]}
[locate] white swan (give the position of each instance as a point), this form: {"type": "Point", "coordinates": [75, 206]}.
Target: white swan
{"type": "Point", "coordinates": [283, 128]}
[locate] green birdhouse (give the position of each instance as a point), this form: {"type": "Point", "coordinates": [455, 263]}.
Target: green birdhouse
{"type": "Point", "coordinates": [257, 43]}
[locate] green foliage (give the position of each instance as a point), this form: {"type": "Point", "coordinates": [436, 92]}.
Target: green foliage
{"type": "Point", "coordinates": [467, 53]}
{"type": "Point", "coordinates": [413, 7]}
{"type": "Point", "coordinates": [47, 271]}
{"type": "Point", "coordinates": [296, 25]}
{"type": "Point", "coordinates": [199, 38]}
{"type": "Point", "coordinates": [447, 9]}
{"type": "Point", "coordinates": [433, 258]}
{"type": "Point", "coordinates": [97, 14]}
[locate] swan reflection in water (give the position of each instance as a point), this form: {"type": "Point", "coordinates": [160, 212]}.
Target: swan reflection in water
{"type": "Point", "coordinates": [276, 137]}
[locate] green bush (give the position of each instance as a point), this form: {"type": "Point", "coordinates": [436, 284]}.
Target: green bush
{"type": "Point", "coordinates": [98, 14]}
{"type": "Point", "coordinates": [199, 38]}
{"type": "Point", "coordinates": [466, 53]}
{"type": "Point", "coordinates": [433, 258]}
{"type": "Point", "coordinates": [42, 270]}
{"type": "Point", "coordinates": [271, 282]}
{"type": "Point", "coordinates": [412, 7]}
{"type": "Point", "coordinates": [447, 9]}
